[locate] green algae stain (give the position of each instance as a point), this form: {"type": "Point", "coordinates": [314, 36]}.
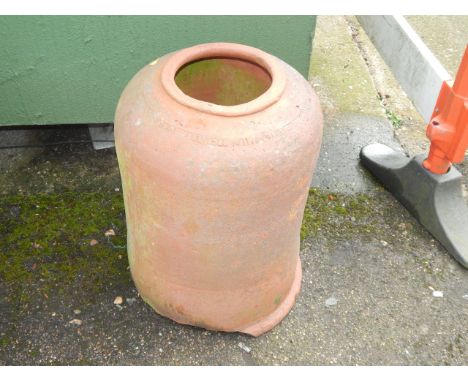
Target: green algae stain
{"type": "Point", "coordinates": [277, 300]}
{"type": "Point", "coordinates": [4, 341]}
{"type": "Point", "coordinates": [45, 244]}
{"type": "Point", "coordinates": [222, 81]}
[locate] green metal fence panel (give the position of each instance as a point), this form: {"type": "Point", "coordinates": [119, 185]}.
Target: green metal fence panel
{"type": "Point", "coordinates": [72, 69]}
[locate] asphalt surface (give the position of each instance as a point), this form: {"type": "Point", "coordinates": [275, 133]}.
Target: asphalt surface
{"type": "Point", "coordinates": [377, 288]}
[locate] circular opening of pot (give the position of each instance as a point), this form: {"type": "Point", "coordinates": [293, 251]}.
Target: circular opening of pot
{"type": "Point", "coordinates": [223, 81]}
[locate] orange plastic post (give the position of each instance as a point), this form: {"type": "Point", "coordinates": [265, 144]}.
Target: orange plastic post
{"type": "Point", "coordinates": [448, 128]}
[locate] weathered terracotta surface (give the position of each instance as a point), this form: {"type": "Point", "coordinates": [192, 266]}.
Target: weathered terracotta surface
{"type": "Point", "coordinates": [214, 194]}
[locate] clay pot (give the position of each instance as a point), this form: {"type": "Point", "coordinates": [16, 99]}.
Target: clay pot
{"type": "Point", "coordinates": [216, 145]}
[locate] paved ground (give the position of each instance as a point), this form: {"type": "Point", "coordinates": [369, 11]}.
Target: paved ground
{"type": "Point", "coordinates": [446, 36]}
{"type": "Point", "coordinates": [370, 270]}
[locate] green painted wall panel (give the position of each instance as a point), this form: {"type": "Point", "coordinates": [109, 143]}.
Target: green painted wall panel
{"type": "Point", "coordinates": [72, 69]}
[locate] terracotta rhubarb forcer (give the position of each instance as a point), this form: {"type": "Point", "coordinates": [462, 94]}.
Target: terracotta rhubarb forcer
{"type": "Point", "coordinates": [216, 145]}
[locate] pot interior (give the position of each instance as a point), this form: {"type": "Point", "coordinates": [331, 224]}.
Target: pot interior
{"type": "Point", "coordinates": [223, 80]}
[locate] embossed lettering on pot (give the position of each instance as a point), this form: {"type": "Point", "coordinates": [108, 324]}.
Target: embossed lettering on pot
{"type": "Point", "coordinates": [223, 81]}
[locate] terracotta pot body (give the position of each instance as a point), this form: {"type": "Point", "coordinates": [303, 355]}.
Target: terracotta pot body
{"type": "Point", "coordinates": [216, 146]}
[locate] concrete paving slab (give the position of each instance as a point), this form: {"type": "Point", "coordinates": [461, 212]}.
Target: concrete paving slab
{"type": "Point", "coordinates": [446, 36]}
{"type": "Point", "coordinates": [338, 72]}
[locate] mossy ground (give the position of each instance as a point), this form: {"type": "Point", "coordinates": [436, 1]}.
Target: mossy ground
{"type": "Point", "coordinates": [46, 255]}
{"type": "Point", "coordinates": [45, 244]}
{"type": "Point", "coordinates": [338, 214]}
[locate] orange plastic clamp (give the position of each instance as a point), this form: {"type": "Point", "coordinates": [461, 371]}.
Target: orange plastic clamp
{"type": "Point", "coordinates": [448, 128]}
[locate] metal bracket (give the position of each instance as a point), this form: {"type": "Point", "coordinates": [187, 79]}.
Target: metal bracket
{"type": "Point", "coordinates": [102, 135]}
{"type": "Point", "coordinates": [436, 201]}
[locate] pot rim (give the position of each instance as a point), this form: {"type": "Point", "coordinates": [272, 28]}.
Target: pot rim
{"type": "Point", "coordinates": [230, 50]}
